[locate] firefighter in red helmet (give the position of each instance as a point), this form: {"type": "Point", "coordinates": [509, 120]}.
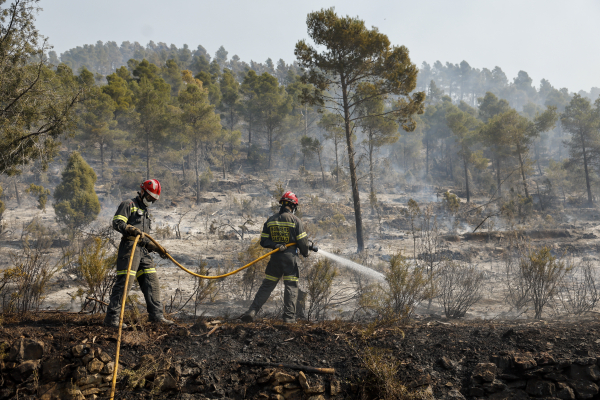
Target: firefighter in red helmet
{"type": "Point", "coordinates": [279, 230]}
{"type": "Point", "coordinates": [132, 219]}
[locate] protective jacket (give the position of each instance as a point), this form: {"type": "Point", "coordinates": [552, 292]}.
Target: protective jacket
{"type": "Point", "coordinates": [133, 212]}
{"type": "Point", "coordinates": [282, 228]}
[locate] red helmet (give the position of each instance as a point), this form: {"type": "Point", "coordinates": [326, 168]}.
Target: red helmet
{"type": "Point", "coordinates": [152, 187]}
{"type": "Point", "coordinates": [289, 196]}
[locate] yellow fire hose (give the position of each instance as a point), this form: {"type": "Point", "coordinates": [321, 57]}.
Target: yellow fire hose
{"type": "Point", "coordinates": [114, 378]}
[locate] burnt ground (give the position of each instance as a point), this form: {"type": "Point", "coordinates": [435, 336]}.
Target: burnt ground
{"type": "Point", "coordinates": [436, 359]}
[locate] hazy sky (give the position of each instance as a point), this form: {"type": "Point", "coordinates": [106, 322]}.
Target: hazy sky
{"type": "Point", "coordinates": [553, 39]}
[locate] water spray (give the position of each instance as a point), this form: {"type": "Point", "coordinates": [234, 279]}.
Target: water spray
{"type": "Point", "coordinates": [353, 266]}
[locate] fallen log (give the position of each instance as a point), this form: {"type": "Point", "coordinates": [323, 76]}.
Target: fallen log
{"type": "Point", "coordinates": [304, 368]}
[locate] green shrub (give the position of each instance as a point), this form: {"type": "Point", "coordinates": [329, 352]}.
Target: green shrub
{"type": "Point", "coordinates": [252, 276]}
{"type": "Point", "coordinates": [96, 266]}
{"type": "Point", "coordinates": [77, 203]}
{"type": "Point", "coordinates": [205, 179]}
{"type": "Point", "coordinates": [257, 157]}
{"type": "Point", "coordinates": [319, 278]}
{"type": "Point", "coordinates": [396, 301]}
{"type": "Point", "coordinates": [42, 194]}
{"type": "Point", "coordinates": [451, 202]}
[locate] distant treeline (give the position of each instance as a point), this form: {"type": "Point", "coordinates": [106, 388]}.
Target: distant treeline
{"type": "Point", "coordinates": [459, 81]}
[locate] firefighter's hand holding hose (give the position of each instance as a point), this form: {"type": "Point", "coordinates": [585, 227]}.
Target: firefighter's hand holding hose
{"type": "Point", "coordinates": [312, 246]}
{"type": "Point", "coordinates": [161, 251]}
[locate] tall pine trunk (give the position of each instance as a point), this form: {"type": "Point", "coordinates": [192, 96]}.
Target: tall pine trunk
{"type": "Point", "coordinates": [585, 167]}
{"type": "Point", "coordinates": [321, 165]}
{"type": "Point", "coordinates": [353, 178]}
{"type": "Point", "coordinates": [337, 165]}
{"type": "Point", "coordinates": [522, 167]}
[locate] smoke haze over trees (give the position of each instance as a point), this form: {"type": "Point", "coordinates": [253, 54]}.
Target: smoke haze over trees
{"type": "Point", "coordinates": [184, 115]}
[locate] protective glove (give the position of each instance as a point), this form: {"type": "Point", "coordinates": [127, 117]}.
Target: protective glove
{"type": "Point", "coordinates": [282, 248]}
{"type": "Point", "coordinates": [132, 231]}
{"type": "Point", "coordinates": [151, 247]}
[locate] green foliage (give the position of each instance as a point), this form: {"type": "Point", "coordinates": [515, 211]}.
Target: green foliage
{"type": "Point", "coordinates": [271, 106]}
{"type": "Point", "coordinates": [352, 55]}
{"type": "Point", "coordinates": [200, 125]}
{"type": "Point", "coordinates": [96, 266]}
{"type": "Point", "coordinates": [582, 121]}
{"type": "Point", "coordinates": [542, 273]}
{"type": "Point", "coordinates": [257, 157]}
{"type": "Point", "coordinates": [406, 288]}
{"type": "Point", "coordinates": [37, 103]}
{"type": "Point", "coordinates": [517, 207]}
{"type": "Point", "coordinates": [97, 121]}
{"type": "Point", "coordinates": [319, 278]}
{"type": "Point", "coordinates": [309, 147]}
{"type": "Point", "coordinates": [451, 202]}
{"type": "Point", "coordinates": [205, 179]}
{"type": "Point", "coordinates": [76, 202]}
{"type": "Point", "coordinates": [395, 301]}
{"type": "Point", "coordinates": [253, 275]}
{"type": "Point", "coordinates": [42, 194]}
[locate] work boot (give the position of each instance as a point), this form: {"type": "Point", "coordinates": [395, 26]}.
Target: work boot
{"type": "Point", "coordinates": [249, 316]}
{"type": "Point", "coordinates": [114, 324]}
{"type": "Point", "coordinates": [162, 320]}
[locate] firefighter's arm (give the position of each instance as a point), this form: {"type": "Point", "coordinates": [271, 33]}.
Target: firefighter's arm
{"type": "Point", "coordinates": [265, 239]}
{"type": "Point", "coordinates": [121, 217]}
{"type": "Point", "coordinates": [301, 238]}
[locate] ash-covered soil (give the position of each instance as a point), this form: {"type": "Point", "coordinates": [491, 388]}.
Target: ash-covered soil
{"type": "Point", "coordinates": [434, 359]}
{"type": "Point", "coordinates": [204, 233]}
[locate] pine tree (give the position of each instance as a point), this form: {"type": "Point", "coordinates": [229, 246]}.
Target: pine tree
{"type": "Point", "coordinates": [353, 54]}
{"type": "Point", "coordinates": [76, 202]}
{"type": "Point", "coordinates": [583, 123]}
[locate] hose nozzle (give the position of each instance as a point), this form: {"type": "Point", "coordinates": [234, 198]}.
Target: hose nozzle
{"type": "Point", "coordinates": [313, 246]}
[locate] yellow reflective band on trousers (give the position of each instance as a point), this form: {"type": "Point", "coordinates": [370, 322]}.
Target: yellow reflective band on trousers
{"type": "Point", "coordinates": [120, 217]}
{"type": "Point", "coordinates": [124, 272]}
{"type": "Point", "coordinates": [271, 278]}
{"type": "Point", "coordinates": [289, 224]}
{"type": "Point", "coordinates": [301, 236]}
{"type": "Point", "coordinates": [145, 271]}
{"type": "Point", "coordinates": [291, 278]}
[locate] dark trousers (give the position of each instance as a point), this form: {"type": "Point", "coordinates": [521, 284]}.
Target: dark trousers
{"type": "Point", "coordinates": [143, 269]}
{"type": "Point", "coordinates": [286, 267]}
